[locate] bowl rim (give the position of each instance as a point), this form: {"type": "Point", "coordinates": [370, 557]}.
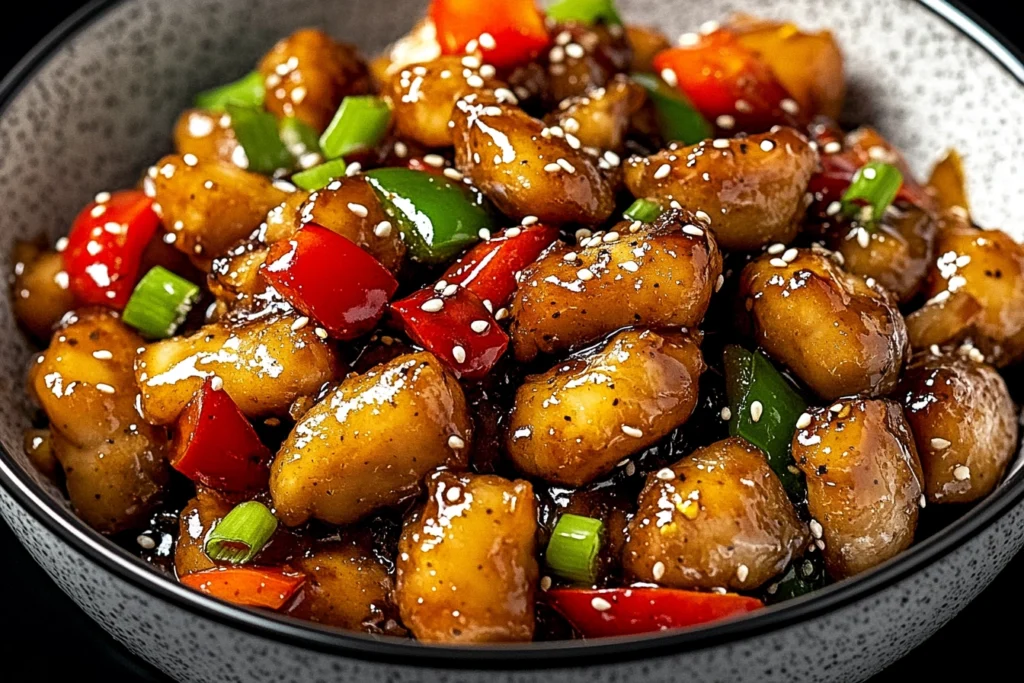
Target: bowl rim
{"type": "Point", "coordinates": [102, 552]}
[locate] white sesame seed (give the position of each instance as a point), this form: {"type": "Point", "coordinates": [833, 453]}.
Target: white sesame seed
{"type": "Point", "coordinates": [358, 209]}
{"type": "Point", "coordinates": [435, 160]}
{"type": "Point", "coordinates": [570, 257]}
{"type": "Point", "coordinates": [726, 413]}
{"type": "Point", "coordinates": [662, 172]}
{"type": "Point", "coordinates": [720, 143]}
{"type": "Point", "coordinates": [102, 354]}
{"type": "Point", "coordinates": [105, 388]}
{"type": "Point", "coordinates": [776, 248]}
{"type": "Point", "coordinates": [383, 229]}
{"type": "Point", "coordinates": [658, 570]}
{"type": "Point", "coordinates": [320, 332]}
{"type": "Point", "coordinates": [962, 473]}
{"type": "Point", "coordinates": [545, 583]}
{"type": "Point", "coordinates": [669, 76]}
{"type": "Point", "coordinates": [756, 409]}
{"type": "Point", "coordinates": [790, 255]}
{"type": "Point", "coordinates": [569, 168]}
{"type": "Point", "coordinates": [630, 468]}
{"type": "Point", "coordinates": [486, 41]}
{"type": "Point", "coordinates": [692, 230]}
{"type": "Point", "coordinates": [940, 444]}
{"type": "Point", "coordinates": [552, 168]}
{"type": "Point", "coordinates": [600, 604]}
{"type": "Point", "coordinates": [719, 282]}
{"type": "Point", "coordinates": [610, 237]}
{"type": "Point", "coordinates": [741, 573]}
{"type": "Point", "coordinates": [612, 158]}
{"type": "Point", "coordinates": [863, 238]}
{"type": "Point", "coordinates": [869, 173]}
{"type": "Point", "coordinates": [479, 326]}
{"type": "Point", "coordinates": [453, 174]}
{"type": "Point", "coordinates": [923, 501]}
{"type": "Point", "coordinates": [584, 274]}
{"type": "Point", "coordinates": [767, 145]}
{"type": "Point", "coordinates": [145, 542]}
{"type": "Point", "coordinates": [432, 305]}
{"type": "Point", "coordinates": [630, 266]}
{"type": "Point", "coordinates": [299, 323]}
{"type": "Point", "coordinates": [450, 290]}
{"type": "Point", "coordinates": [501, 314]}
{"type": "Point", "coordinates": [804, 421]}
{"type": "Point", "coordinates": [790, 106]}
{"type": "Point", "coordinates": [665, 474]}
{"type": "Point", "coordinates": [778, 263]}
{"type": "Point", "coordinates": [632, 431]}
{"type": "Point", "coordinates": [726, 122]}
{"type": "Point", "coordinates": [102, 197]}
{"type": "Point", "coordinates": [816, 529]}
{"type": "Point", "coordinates": [575, 50]}
{"type": "Point", "coordinates": [836, 408]}
{"type": "Point", "coordinates": [459, 354]}
{"type": "Point", "coordinates": [833, 147]}
{"type": "Point", "coordinates": [456, 442]}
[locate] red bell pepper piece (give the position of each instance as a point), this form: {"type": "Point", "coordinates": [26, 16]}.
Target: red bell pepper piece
{"type": "Point", "coordinates": [215, 445]}
{"type": "Point", "coordinates": [105, 247]}
{"type": "Point", "coordinates": [249, 586]}
{"type": "Point", "coordinates": [330, 279]}
{"type": "Point", "coordinates": [489, 269]}
{"type": "Point", "coordinates": [512, 31]}
{"type": "Point", "coordinates": [462, 332]}
{"type": "Point", "coordinates": [721, 78]}
{"type": "Point", "coordinates": [600, 613]}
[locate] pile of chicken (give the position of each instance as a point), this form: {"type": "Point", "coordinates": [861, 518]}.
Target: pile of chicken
{"type": "Point", "coordinates": [385, 478]}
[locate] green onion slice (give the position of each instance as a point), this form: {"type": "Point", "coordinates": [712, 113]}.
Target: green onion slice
{"type": "Point", "coordinates": [257, 133]}
{"type": "Point", "coordinates": [585, 11]}
{"type": "Point", "coordinates": [319, 176]}
{"type": "Point", "coordinates": [160, 303]}
{"type": "Point", "coordinates": [299, 137]}
{"type": "Point", "coordinates": [678, 120]}
{"type": "Point", "coordinates": [359, 124]}
{"type": "Point", "coordinates": [765, 409]}
{"type": "Point", "coordinates": [874, 185]}
{"type": "Point", "coordinates": [248, 91]}
{"type": "Point", "coordinates": [241, 534]}
{"type": "Point", "coordinates": [645, 210]}
{"type": "Point", "coordinates": [574, 546]}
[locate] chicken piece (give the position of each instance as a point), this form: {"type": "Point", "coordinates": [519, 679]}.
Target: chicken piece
{"type": "Point", "coordinates": [716, 519]}
{"type": "Point", "coordinates": [645, 42]}
{"type": "Point", "coordinates": [308, 74]}
{"type": "Point", "coordinates": [948, 183]}
{"type": "Point", "coordinates": [659, 276]}
{"type": "Point", "coordinates": [195, 522]}
{"type": "Point", "coordinates": [114, 463]}
{"type": "Point", "coordinates": [834, 331]}
{"type": "Point", "coordinates": [264, 365]}
{"type": "Point", "coordinates": [467, 566]}
{"type": "Point", "coordinates": [752, 190]}
{"type": "Point", "coordinates": [964, 424]}
{"type": "Point", "coordinates": [864, 482]}
{"type": "Point", "coordinates": [524, 169]}
{"type": "Point", "coordinates": [207, 135]}
{"type": "Point", "coordinates": [369, 443]}
{"type": "Point", "coordinates": [575, 422]}
{"type": "Point", "coordinates": [40, 296]}
{"type": "Point", "coordinates": [583, 58]}
{"type": "Point", "coordinates": [600, 119]}
{"type": "Point", "coordinates": [950, 319]}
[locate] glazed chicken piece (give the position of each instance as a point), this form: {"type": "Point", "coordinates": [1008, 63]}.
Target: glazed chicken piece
{"type": "Point", "coordinates": [660, 275]}
{"type": "Point", "coordinates": [600, 119]}
{"type": "Point", "coordinates": [718, 518]}
{"type": "Point", "coordinates": [114, 462]}
{"type": "Point", "coordinates": [864, 482]}
{"type": "Point", "coordinates": [583, 58]}
{"type": "Point", "coordinates": [40, 294]}
{"type": "Point", "coordinates": [467, 567]}
{"type": "Point", "coordinates": [369, 443]}
{"type": "Point", "coordinates": [575, 422]}
{"type": "Point", "coordinates": [208, 136]}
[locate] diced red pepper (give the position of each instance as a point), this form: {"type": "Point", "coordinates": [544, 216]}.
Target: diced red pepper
{"type": "Point", "coordinates": [105, 247]}
{"type": "Point", "coordinates": [215, 445]}
{"type": "Point", "coordinates": [721, 78]}
{"type": "Point", "coordinates": [330, 279]}
{"type": "Point", "coordinates": [601, 613]}
{"type": "Point", "coordinates": [461, 332]}
{"type": "Point", "coordinates": [489, 269]}
{"type": "Point", "coordinates": [249, 586]}
{"type": "Point", "coordinates": [507, 33]}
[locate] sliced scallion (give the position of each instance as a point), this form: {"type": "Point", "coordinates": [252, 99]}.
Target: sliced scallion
{"type": "Point", "coordinates": [241, 534]}
{"type": "Point", "coordinates": [874, 185]}
{"type": "Point", "coordinates": [257, 133]}
{"type": "Point", "coordinates": [645, 210]}
{"type": "Point", "coordinates": [574, 546]}
{"type": "Point", "coordinates": [319, 176]}
{"type": "Point", "coordinates": [359, 124]}
{"type": "Point", "coordinates": [160, 303]}
{"type": "Point", "coordinates": [585, 11]}
{"type": "Point", "coordinates": [247, 91]}
{"type": "Point", "coordinates": [299, 137]}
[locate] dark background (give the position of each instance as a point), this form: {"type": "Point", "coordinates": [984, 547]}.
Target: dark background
{"type": "Point", "coordinates": [45, 637]}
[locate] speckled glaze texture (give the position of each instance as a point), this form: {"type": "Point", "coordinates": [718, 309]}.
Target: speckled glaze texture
{"type": "Point", "coordinates": [101, 107]}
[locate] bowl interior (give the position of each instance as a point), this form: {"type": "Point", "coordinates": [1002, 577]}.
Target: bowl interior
{"type": "Point", "coordinates": [100, 109]}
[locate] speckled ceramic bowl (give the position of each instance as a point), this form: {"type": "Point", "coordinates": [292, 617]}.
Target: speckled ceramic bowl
{"type": "Point", "coordinates": [93, 105]}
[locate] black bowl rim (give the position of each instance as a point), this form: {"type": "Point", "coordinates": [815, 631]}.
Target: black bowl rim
{"type": "Point", "coordinates": [389, 651]}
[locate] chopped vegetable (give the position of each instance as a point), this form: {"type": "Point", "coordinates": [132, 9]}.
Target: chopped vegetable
{"type": "Point", "coordinates": [874, 185]}
{"type": "Point", "coordinates": [299, 137]}
{"type": "Point", "coordinates": [599, 613]}
{"type": "Point", "coordinates": [585, 11]}
{"type": "Point", "coordinates": [320, 176]}
{"type": "Point", "coordinates": [489, 269]}
{"type": "Point", "coordinates": [257, 133]}
{"type": "Point", "coordinates": [330, 279]}
{"type": "Point", "coordinates": [645, 210]}
{"type": "Point", "coordinates": [215, 445]}
{"type": "Point", "coordinates": [247, 586]}
{"type": "Point", "coordinates": [505, 33]}
{"type": "Point", "coordinates": [160, 303]}
{"type": "Point", "coordinates": [728, 84]}
{"type": "Point", "coordinates": [438, 217]}
{"type": "Point", "coordinates": [247, 91]}
{"type": "Point", "coordinates": [105, 246]}
{"type": "Point", "coordinates": [804, 575]}
{"type": "Point", "coordinates": [241, 534]}
{"type": "Point", "coordinates": [574, 546]}
{"type": "Point", "coordinates": [765, 409]}
{"type": "Point", "coordinates": [359, 124]}
{"type": "Point", "coordinates": [678, 120]}
{"type": "Point", "coordinates": [455, 326]}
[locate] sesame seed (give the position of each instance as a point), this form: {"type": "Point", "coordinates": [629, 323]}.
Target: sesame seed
{"type": "Point", "coordinates": [630, 468]}
{"type": "Point", "coordinates": [833, 147]}
{"type": "Point", "coordinates": [962, 473]}
{"type": "Point", "coordinates": [692, 230]}
{"type": "Point", "coordinates": [741, 573]}
{"type": "Point", "coordinates": [557, 54]}
{"type": "Point", "coordinates": [790, 106]}
{"type": "Point", "coordinates": [145, 542]}
{"type": "Point", "coordinates": [575, 50]}
{"type": "Point", "coordinates": [435, 160]}
{"type": "Point", "coordinates": [632, 431]}
{"type": "Point", "coordinates": [863, 238]}
{"type": "Point", "coordinates": [459, 354]}
{"type": "Point", "coordinates": [501, 314]}
{"type": "Point", "coordinates": [456, 442]}
{"type": "Point", "coordinates": [432, 305]}
{"type": "Point", "coordinates": [790, 255]}
{"type": "Point", "coordinates": [450, 290]}
{"type": "Point", "coordinates": [778, 263]}
{"type": "Point", "coordinates": [570, 257]}
{"type": "Point", "coordinates": [486, 41]}
{"type": "Point", "coordinates": [475, 81]}
{"type": "Point", "coordinates": [609, 237]}
{"type": "Point", "coordinates": [744, 106]}
{"type": "Point", "coordinates": [662, 172]}
{"type": "Point", "coordinates": [940, 444]}
{"type": "Point", "coordinates": [383, 229]}
{"type": "Point", "coordinates": [299, 323]}
{"type": "Point", "coordinates": [669, 76]}
{"type": "Point", "coordinates": [869, 173]}
{"type": "Point", "coordinates": [719, 282]}
{"type": "Point", "coordinates": [816, 529]}
{"type": "Point", "coordinates": [923, 501]}
{"type": "Point", "coordinates": [102, 197]}
{"type": "Point", "coordinates": [726, 413]}
{"type": "Point", "coordinates": [105, 388]}
{"type": "Point", "coordinates": [479, 326]}
{"type": "Point", "coordinates": [726, 122]}
{"type": "Point", "coordinates": [545, 583]}
{"type": "Point", "coordinates": [600, 604]}
{"type": "Point", "coordinates": [358, 209]}
{"type": "Point", "coordinates": [836, 408]}
{"type": "Point", "coordinates": [102, 354]}
{"type": "Point", "coordinates": [658, 570]}
{"type": "Point", "coordinates": [471, 61]}
{"type": "Point", "coordinates": [804, 421]}
{"type": "Point", "coordinates": [720, 143]}
{"type": "Point", "coordinates": [584, 274]}
{"type": "Point", "coordinates": [665, 474]}
{"type": "Point", "coordinates": [552, 168]}
{"type": "Point", "coordinates": [612, 158]}
{"type": "Point", "coordinates": [569, 168]}
{"type": "Point", "coordinates": [767, 145]}
{"type": "Point", "coordinates": [320, 332]}
{"type": "Point", "coordinates": [756, 409]}
{"type": "Point", "coordinates": [776, 248]}
{"type": "Point", "coordinates": [833, 208]}
{"type": "Point", "coordinates": [453, 174]}
{"type": "Point", "coordinates": [630, 266]}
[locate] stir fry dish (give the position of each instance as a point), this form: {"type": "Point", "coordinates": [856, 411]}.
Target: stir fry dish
{"type": "Point", "coordinates": [537, 326]}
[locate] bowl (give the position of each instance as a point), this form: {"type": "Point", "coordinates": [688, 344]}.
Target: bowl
{"type": "Point", "coordinates": [92, 105]}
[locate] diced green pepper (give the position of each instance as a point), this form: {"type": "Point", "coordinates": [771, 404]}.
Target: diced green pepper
{"type": "Point", "coordinates": [678, 120]}
{"type": "Point", "coordinates": [359, 124]}
{"type": "Point", "coordinates": [318, 177]}
{"type": "Point", "coordinates": [247, 91]}
{"type": "Point", "coordinates": [438, 218]}
{"type": "Point", "coordinates": [299, 137]}
{"type": "Point", "coordinates": [585, 11]}
{"type": "Point", "coordinates": [765, 409]}
{"type": "Point", "coordinates": [257, 133]}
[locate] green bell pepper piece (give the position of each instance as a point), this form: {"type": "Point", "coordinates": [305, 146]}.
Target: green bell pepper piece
{"type": "Point", "coordinates": [585, 11]}
{"type": "Point", "coordinates": [678, 120]}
